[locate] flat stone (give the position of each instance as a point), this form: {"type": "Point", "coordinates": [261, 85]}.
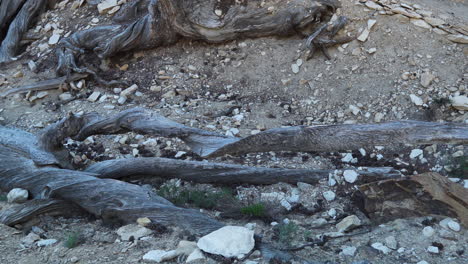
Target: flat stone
{"type": "Point", "coordinates": [434, 21]}
{"type": "Point", "coordinates": [159, 256]}
{"type": "Point", "coordinates": [416, 153]}
{"type": "Point", "coordinates": [65, 96]}
{"type": "Point", "coordinates": [94, 96]}
{"type": "Point", "coordinates": [46, 242]}
{"type": "Point", "coordinates": [420, 23]}
{"type": "Point", "coordinates": [30, 239]}
{"type": "Point", "coordinates": [364, 35]}
{"type": "Point", "coordinates": [426, 79]}
{"type": "Point", "coordinates": [106, 5]}
{"type": "Point", "coordinates": [186, 247]}
{"type": "Point", "coordinates": [348, 251]}
{"type": "Point", "coordinates": [391, 242]}
{"type": "Point", "coordinates": [17, 195]}
{"type": "Point", "coordinates": [428, 231]}
{"type": "Point", "coordinates": [195, 256]}
{"type": "Point", "coordinates": [329, 195]}
{"type": "Point", "coordinates": [54, 39]}
{"type": "Point", "coordinates": [295, 68]}
{"type": "Point", "coordinates": [458, 38]}
{"type": "Point", "coordinates": [406, 12]}
{"type": "Point", "coordinates": [381, 247]}
{"type": "Point", "coordinates": [130, 90]}
{"type": "Point", "coordinates": [373, 5]}
{"type": "Point", "coordinates": [228, 241]}
{"type": "Point", "coordinates": [350, 176]}
{"type": "Point", "coordinates": [135, 231]}
{"type": "Point", "coordinates": [143, 221]}
{"type": "Point", "coordinates": [348, 223]}
{"type": "Point", "coordinates": [454, 226]}
{"type": "Point", "coordinates": [416, 100]}
{"type": "Point", "coordinates": [433, 250]}
{"type": "Point", "coordinates": [460, 102]}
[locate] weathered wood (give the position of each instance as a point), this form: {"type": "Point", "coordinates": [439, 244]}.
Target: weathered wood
{"type": "Point", "coordinates": [298, 139]}
{"type": "Point", "coordinates": [347, 137]}
{"type": "Point", "coordinates": [27, 211]}
{"type": "Point", "coordinates": [220, 173]}
{"type": "Point", "coordinates": [19, 25]}
{"type": "Point", "coordinates": [45, 84]}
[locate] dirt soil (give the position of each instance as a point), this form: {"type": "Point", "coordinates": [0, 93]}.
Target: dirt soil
{"type": "Point", "coordinates": [240, 88]}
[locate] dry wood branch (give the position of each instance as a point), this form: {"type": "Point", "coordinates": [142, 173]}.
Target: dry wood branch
{"type": "Point", "coordinates": [219, 173]}
{"type": "Point", "coordinates": [297, 139]}
{"type": "Point", "coordinates": [24, 212]}
{"type": "Point", "coordinates": [19, 24]}
{"type": "Point", "coordinates": [348, 137]}
{"type": "Point", "coordinates": [44, 85]}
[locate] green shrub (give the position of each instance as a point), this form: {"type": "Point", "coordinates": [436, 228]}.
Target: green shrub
{"type": "Point", "coordinates": [286, 233]}
{"type": "Point", "coordinates": [254, 210]}
{"type": "Point", "coordinates": [3, 198]}
{"type": "Point", "coordinates": [181, 196]}
{"type": "Point", "coordinates": [72, 239]}
{"type": "Point", "coordinates": [460, 167]}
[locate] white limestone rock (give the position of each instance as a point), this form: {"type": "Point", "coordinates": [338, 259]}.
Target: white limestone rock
{"type": "Point", "coordinates": [17, 195]}
{"type": "Point", "coordinates": [228, 241]}
{"type": "Point", "coordinates": [135, 231]}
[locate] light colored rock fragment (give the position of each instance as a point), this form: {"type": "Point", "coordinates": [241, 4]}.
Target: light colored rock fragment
{"type": "Point", "coordinates": [17, 195]}
{"type": "Point", "coordinates": [434, 21]}
{"type": "Point", "coordinates": [46, 242]}
{"type": "Point", "coordinates": [186, 247]}
{"type": "Point", "coordinates": [373, 5]}
{"type": "Point", "coordinates": [228, 241]}
{"type": "Point", "coordinates": [329, 195]}
{"type": "Point", "coordinates": [406, 12]}
{"type": "Point", "coordinates": [364, 35]}
{"type": "Point", "coordinates": [391, 242]}
{"type": "Point", "coordinates": [460, 102]}
{"type": "Point", "coordinates": [143, 221]}
{"type": "Point", "coordinates": [349, 251]}
{"type": "Point", "coordinates": [130, 90]}
{"type": "Point", "coordinates": [416, 100]}
{"type": "Point", "coordinates": [458, 38]}
{"type": "Point", "coordinates": [416, 153]}
{"type": "Point", "coordinates": [106, 5]}
{"type": "Point", "coordinates": [348, 223]}
{"type": "Point", "coordinates": [158, 256]}
{"type": "Point", "coordinates": [426, 79]}
{"type": "Point", "coordinates": [94, 96]}
{"type": "Point", "coordinates": [421, 23]}
{"type": "Point", "coordinates": [350, 176]}
{"type": "Point", "coordinates": [54, 39]}
{"type": "Point", "coordinates": [135, 231]}
{"type": "Point", "coordinates": [381, 247]}
{"type": "Point", "coordinates": [428, 231]}
{"type": "Point", "coordinates": [195, 256]}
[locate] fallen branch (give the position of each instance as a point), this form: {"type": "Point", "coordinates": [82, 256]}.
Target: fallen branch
{"type": "Point", "coordinates": [27, 211]}
{"type": "Point", "coordinates": [45, 85]}
{"type": "Point", "coordinates": [219, 173]}
{"type": "Point", "coordinates": [297, 139]}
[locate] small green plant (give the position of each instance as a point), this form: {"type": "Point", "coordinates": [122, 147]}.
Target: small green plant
{"type": "Point", "coordinates": [254, 210]}
{"type": "Point", "coordinates": [3, 198]}
{"type": "Point", "coordinates": [307, 235]}
{"type": "Point", "coordinates": [460, 167]}
{"type": "Point", "coordinates": [202, 199]}
{"type": "Point", "coordinates": [72, 239]}
{"type": "Point", "coordinates": [286, 233]}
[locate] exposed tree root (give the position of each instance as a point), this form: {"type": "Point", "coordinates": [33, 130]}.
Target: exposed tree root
{"type": "Point", "coordinates": [219, 173]}
{"type": "Point", "coordinates": [297, 139]}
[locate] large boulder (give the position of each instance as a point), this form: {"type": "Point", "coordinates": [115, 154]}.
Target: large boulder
{"type": "Point", "coordinates": [229, 241]}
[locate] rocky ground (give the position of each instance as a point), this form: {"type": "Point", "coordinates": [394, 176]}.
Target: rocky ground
{"type": "Point", "coordinates": [408, 63]}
